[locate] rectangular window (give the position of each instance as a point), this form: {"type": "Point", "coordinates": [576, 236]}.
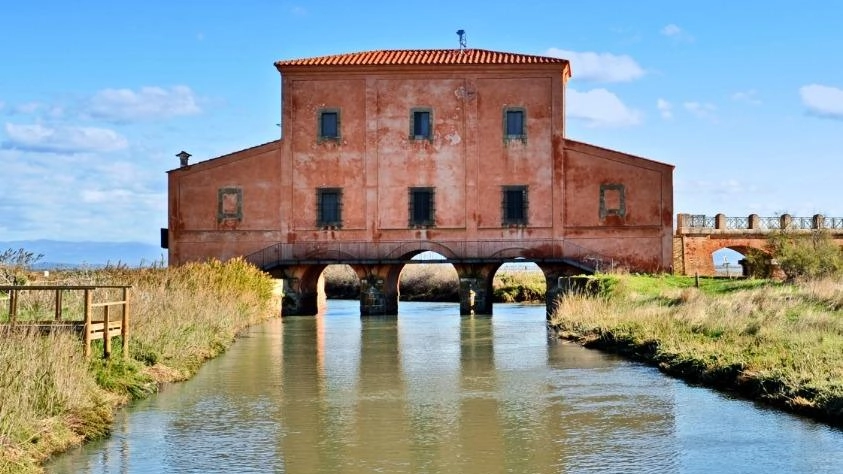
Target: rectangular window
{"type": "Point", "coordinates": [513, 124]}
{"type": "Point", "coordinates": [514, 205]}
{"type": "Point", "coordinates": [421, 124]}
{"type": "Point", "coordinates": [422, 207]}
{"type": "Point", "coordinates": [329, 207]}
{"type": "Point", "coordinates": [329, 124]}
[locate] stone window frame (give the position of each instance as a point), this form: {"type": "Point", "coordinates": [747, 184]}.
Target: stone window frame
{"type": "Point", "coordinates": [237, 214]}
{"type": "Point", "coordinates": [430, 221]}
{"type": "Point", "coordinates": [414, 115]}
{"type": "Point", "coordinates": [321, 137]}
{"type": "Point", "coordinates": [321, 221]}
{"type": "Point", "coordinates": [508, 220]}
{"type": "Point", "coordinates": [619, 211]}
{"type": "Point", "coordinates": [510, 137]}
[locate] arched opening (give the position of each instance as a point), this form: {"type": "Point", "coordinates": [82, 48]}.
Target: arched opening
{"type": "Point", "coordinates": [727, 261]}
{"type": "Point", "coordinates": [341, 282]}
{"type": "Point", "coordinates": [741, 261]}
{"type": "Point", "coordinates": [428, 280]}
{"type": "Point", "coordinates": [519, 281]}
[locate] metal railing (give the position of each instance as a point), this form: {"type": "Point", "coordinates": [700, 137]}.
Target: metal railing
{"type": "Point", "coordinates": [770, 223]}
{"type": "Point", "coordinates": [737, 222]}
{"type": "Point", "coordinates": [700, 221]}
{"type": "Point", "coordinates": [833, 223]}
{"type": "Point", "coordinates": [783, 222]}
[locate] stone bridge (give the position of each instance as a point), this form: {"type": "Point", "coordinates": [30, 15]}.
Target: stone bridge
{"type": "Point", "coordinates": [699, 236]}
{"type": "Point", "coordinates": [379, 264]}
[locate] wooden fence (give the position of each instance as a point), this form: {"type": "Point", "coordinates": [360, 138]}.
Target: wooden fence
{"type": "Point", "coordinates": [106, 327]}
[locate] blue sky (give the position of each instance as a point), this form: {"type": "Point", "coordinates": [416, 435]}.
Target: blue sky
{"type": "Point", "coordinates": [96, 97]}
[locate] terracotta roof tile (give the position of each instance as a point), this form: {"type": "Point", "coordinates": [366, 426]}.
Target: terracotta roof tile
{"type": "Point", "coordinates": [421, 57]}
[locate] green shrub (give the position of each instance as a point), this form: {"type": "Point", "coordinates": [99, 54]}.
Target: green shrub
{"type": "Point", "coordinates": [814, 255]}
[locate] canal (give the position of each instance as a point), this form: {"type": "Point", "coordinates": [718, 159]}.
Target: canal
{"type": "Point", "coordinates": [430, 391]}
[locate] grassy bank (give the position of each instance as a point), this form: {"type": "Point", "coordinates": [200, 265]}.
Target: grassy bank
{"type": "Point", "coordinates": [53, 398]}
{"type": "Point", "coordinates": [438, 282]}
{"type": "Point", "coordinates": [778, 343]}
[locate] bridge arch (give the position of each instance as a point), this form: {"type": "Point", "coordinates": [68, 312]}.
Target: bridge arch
{"type": "Point", "coordinates": [304, 288]}
{"type": "Point", "coordinates": [408, 250]}
{"type": "Point", "coordinates": [513, 252]}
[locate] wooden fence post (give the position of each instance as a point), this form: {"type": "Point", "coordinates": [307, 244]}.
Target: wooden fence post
{"type": "Point", "coordinates": [58, 305]}
{"type": "Point", "coordinates": [87, 322]}
{"type": "Point", "coordinates": [124, 326]}
{"type": "Point", "coordinates": [13, 305]}
{"type": "Point", "coordinates": [106, 333]}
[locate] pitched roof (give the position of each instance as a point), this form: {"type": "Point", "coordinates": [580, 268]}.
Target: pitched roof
{"type": "Point", "coordinates": [403, 57]}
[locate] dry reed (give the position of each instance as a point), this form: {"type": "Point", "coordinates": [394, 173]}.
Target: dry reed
{"type": "Point", "coordinates": [52, 397]}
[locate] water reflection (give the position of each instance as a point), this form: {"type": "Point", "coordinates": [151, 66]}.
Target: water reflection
{"type": "Point", "coordinates": [432, 391]}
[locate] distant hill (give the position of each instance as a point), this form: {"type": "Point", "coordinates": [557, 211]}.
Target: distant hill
{"type": "Point", "coordinates": [62, 254]}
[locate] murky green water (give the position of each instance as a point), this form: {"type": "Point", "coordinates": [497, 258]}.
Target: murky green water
{"type": "Point", "coordinates": [433, 392]}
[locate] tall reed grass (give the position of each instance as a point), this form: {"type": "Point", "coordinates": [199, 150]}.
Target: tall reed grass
{"type": "Point", "coordinates": [52, 397]}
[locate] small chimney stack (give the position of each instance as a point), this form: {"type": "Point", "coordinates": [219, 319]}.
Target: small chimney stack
{"type": "Point", "coordinates": [183, 156]}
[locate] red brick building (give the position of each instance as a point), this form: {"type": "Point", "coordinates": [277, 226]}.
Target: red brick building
{"type": "Point", "coordinates": [385, 154]}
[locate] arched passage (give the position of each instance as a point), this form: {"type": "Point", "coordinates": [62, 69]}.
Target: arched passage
{"type": "Point", "coordinates": [519, 280]}
{"type": "Point", "coordinates": [428, 279]}
{"type": "Point", "coordinates": [741, 260]}
{"type": "Point", "coordinates": [304, 289]}
{"type": "Point", "coordinates": [341, 282]}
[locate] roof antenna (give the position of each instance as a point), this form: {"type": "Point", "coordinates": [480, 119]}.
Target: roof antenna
{"type": "Point", "coordinates": [462, 39]}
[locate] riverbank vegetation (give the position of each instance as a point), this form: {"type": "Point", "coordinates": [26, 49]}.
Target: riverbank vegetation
{"type": "Point", "coordinates": [778, 342]}
{"type": "Point", "coordinates": [770, 341]}
{"type": "Point", "coordinates": [52, 397]}
{"type": "Point", "coordinates": [439, 282]}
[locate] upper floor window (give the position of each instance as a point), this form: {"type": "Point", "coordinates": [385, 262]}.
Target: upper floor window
{"type": "Point", "coordinates": [514, 127]}
{"type": "Point", "coordinates": [329, 124]}
{"type": "Point", "coordinates": [514, 205]}
{"type": "Point", "coordinates": [329, 207]}
{"type": "Point", "coordinates": [422, 207]}
{"type": "Point", "coordinates": [421, 124]}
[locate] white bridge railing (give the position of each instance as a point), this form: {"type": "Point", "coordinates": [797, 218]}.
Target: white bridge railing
{"type": "Point", "coordinates": [755, 222]}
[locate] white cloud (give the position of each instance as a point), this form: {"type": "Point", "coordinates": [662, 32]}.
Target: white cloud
{"type": "Point", "coordinates": [749, 96]}
{"type": "Point", "coordinates": [99, 196]}
{"type": "Point", "coordinates": [701, 110]}
{"type": "Point", "coordinates": [675, 32]}
{"type": "Point", "coordinates": [86, 196]}
{"type": "Point", "coordinates": [665, 108]}
{"type": "Point", "coordinates": [148, 103]}
{"type": "Point", "coordinates": [600, 108]}
{"type": "Point", "coordinates": [37, 137]}
{"type": "Point", "coordinates": [822, 101]}
{"type": "Point", "coordinates": [671, 30]}
{"type": "Point", "coordinates": [26, 108]}
{"type": "Point", "coordinates": [600, 67]}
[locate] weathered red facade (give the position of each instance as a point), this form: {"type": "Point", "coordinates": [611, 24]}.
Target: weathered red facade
{"type": "Point", "coordinates": [578, 200]}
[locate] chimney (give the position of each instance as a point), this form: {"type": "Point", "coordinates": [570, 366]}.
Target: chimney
{"type": "Point", "coordinates": [183, 156]}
